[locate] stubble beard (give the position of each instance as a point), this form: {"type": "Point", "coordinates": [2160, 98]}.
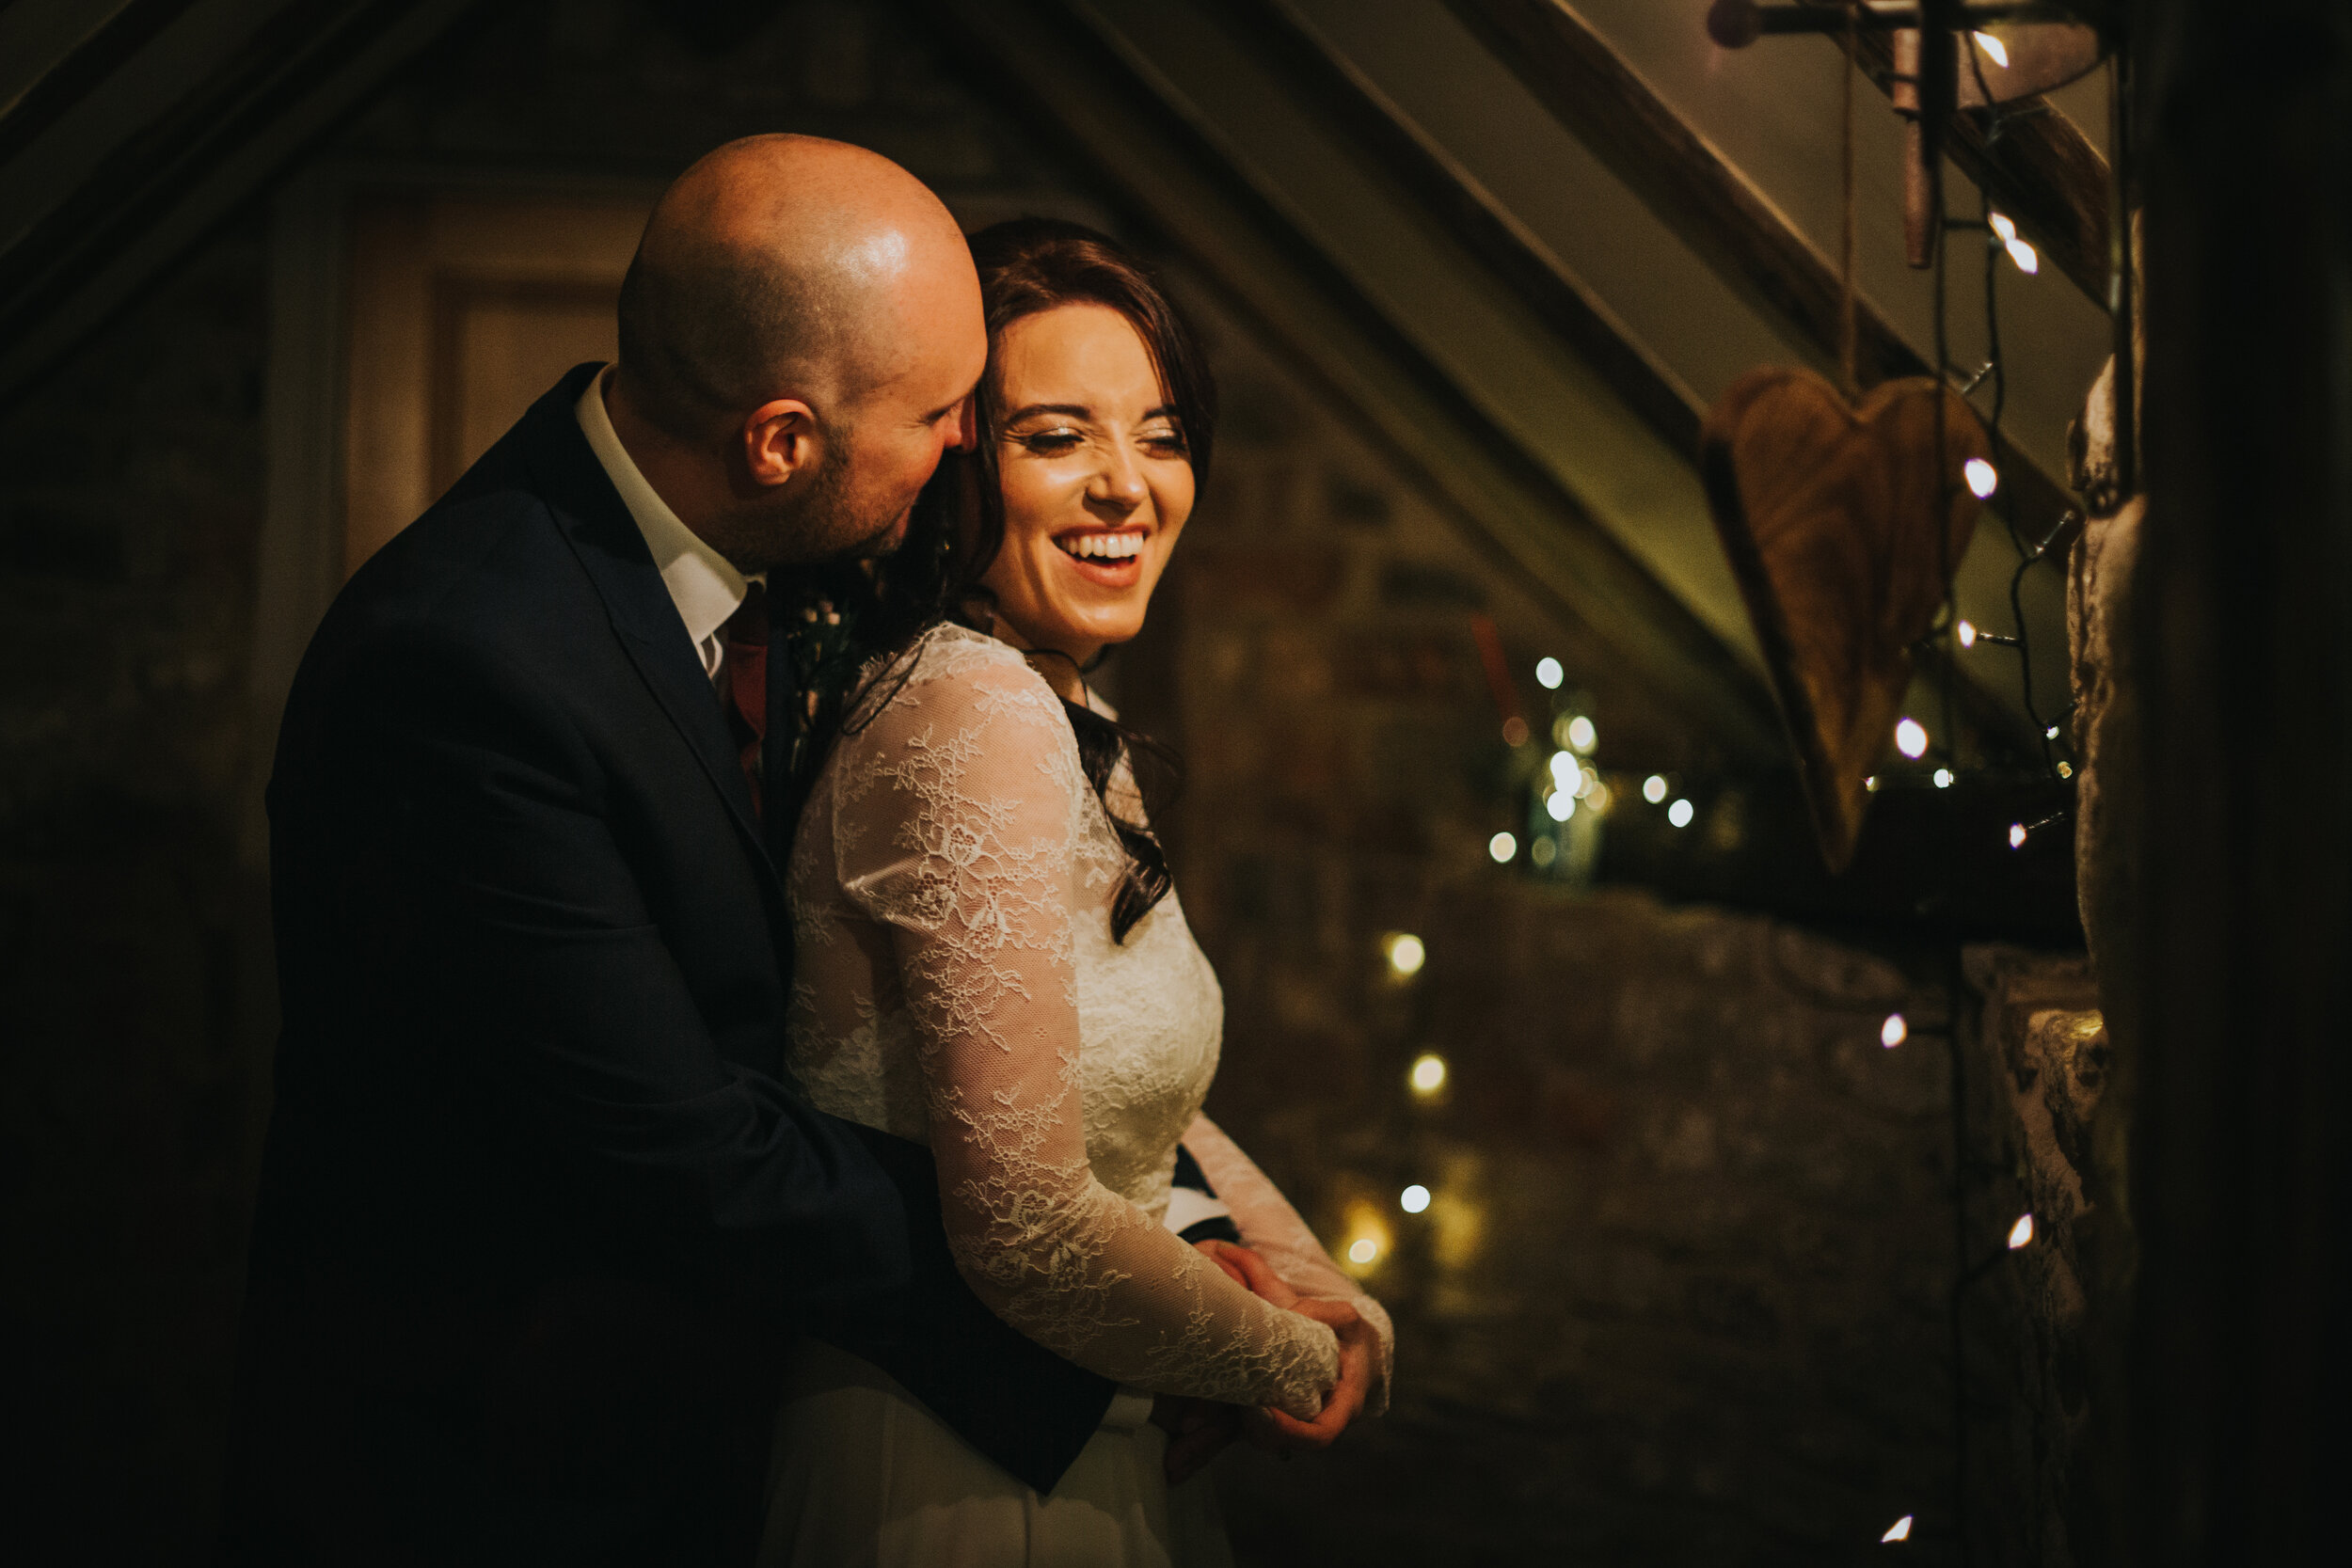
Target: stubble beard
{"type": "Point", "coordinates": [829, 520]}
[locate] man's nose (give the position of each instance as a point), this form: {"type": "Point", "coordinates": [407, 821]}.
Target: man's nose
{"type": "Point", "coordinates": [967, 428]}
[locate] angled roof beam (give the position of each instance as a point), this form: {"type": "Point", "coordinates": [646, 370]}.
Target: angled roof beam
{"type": "Point", "coordinates": [1475, 216]}
{"type": "Point", "coordinates": [1586, 84]}
{"type": "Point", "coordinates": [137, 145]}
{"type": "Point", "coordinates": [2042, 172]}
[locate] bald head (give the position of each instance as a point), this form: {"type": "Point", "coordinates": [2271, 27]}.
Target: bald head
{"type": "Point", "coordinates": [784, 266]}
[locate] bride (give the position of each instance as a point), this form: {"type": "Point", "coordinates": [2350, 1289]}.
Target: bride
{"type": "Point", "coordinates": [992, 961]}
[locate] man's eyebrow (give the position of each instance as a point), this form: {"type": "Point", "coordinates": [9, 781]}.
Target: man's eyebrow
{"type": "Point", "coordinates": [1074, 410]}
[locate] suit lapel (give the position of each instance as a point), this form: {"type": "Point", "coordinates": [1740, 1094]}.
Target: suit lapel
{"type": "Point", "coordinates": [596, 524]}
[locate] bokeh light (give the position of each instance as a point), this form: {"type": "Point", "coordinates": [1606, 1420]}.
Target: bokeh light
{"type": "Point", "coordinates": [1404, 953]}
{"type": "Point", "coordinates": [1503, 846]}
{"type": "Point", "coordinates": [1548, 674]}
{"type": "Point", "coordinates": [1911, 737]}
{"type": "Point", "coordinates": [1680, 813]}
{"type": "Point", "coordinates": [1413, 1199]}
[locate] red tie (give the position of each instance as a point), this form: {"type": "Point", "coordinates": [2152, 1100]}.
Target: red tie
{"type": "Point", "coordinates": [745, 687]}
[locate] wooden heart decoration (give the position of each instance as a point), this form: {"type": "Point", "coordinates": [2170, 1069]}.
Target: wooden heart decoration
{"type": "Point", "coordinates": [1828, 514]}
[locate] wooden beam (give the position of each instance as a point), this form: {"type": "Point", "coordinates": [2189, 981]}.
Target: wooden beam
{"type": "Point", "coordinates": [2040, 170]}
{"type": "Point", "coordinates": [1480, 221]}
{"type": "Point", "coordinates": [1598, 94]}
{"type": "Point", "coordinates": [1043, 62]}
{"type": "Point", "coordinates": [1472, 214]}
{"type": "Point", "coordinates": [169, 182]}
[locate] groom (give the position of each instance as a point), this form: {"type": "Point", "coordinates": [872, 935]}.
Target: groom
{"type": "Point", "coordinates": [538, 1215]}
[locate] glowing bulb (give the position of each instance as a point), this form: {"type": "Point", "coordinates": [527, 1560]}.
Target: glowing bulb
{"type": "Point", "coordinates": [2017, 835]}
{"type": "Point", "coordinates": [1560, 806]}
{"type": "Point", "coordinates": [1429, 1073]}
{"type": "Point", "coordinates": [1871, 783]}
{"type": "Point", "coordinates": [2000, 225]}
{"type": "Point", "coordinates": [2066, 770]}
{"type": "Point", "coordinates": [1654, 788]}
{"type": "Point", "coordinates": [2051, 732]}
{"type": "Point", "coordinates": [1911, 739]}
{"type": "Point", "coordinates": [1898, 1530]}
{"type": "Point", "coordinates": [1567, 772]}
{"type": "Point", "coordinates": [1363, 1250]}
{"type": "Point", "coordinates": [1994, 47]}
{"type": "Point", "coordinates": [2021, 1234]}
{"type": "Point", "coordinates": [1894, 1031]}
{"type": "Point", "coordinates": [2022, 253]}
{"type": "Point", "coordinates": [1404, 953]}
{"type": "Point", "coordinates": [1982, 477]}
{"type": "Point", "coordinates": [1413, 1199]}
{"type": "Point", "coordinates": [1548, 674]}
{"type": "Point", "coordinates": [1503, 846]}
{"type": "Point", "coordinates": [1967, 634]}
{"type": "Point", "coordinates": [1582, 735]}
{"type": "Point", "coordinates": [1680, 813]}
{"type": "Point", "coordinates": [1943, 778]}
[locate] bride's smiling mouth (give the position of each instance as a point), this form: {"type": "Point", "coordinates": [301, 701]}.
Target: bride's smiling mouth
{"type": "Point", "coordinates": [1112, 557]}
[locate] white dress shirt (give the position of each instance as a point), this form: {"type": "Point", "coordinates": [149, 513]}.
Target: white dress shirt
{"type": "Point", "coordinates": [704, 586]}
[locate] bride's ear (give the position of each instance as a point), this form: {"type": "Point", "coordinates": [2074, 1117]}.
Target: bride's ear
{"type": "Point", "coordinates": [780, 441]}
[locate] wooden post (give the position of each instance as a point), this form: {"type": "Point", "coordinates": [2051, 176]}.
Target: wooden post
{"type": "Point", "coordinates": [2242, 1158]}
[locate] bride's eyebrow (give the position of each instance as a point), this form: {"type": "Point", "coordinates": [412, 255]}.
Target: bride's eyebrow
{"type": "Point", "coordinates": [1069, 410]}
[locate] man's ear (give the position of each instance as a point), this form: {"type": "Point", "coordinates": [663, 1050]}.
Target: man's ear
{"type": "Point", "coordinates": [781, 441]}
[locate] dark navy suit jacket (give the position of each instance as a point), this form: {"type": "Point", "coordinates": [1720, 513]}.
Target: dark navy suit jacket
{"type": "Point", "coordinates": [540, 1211]}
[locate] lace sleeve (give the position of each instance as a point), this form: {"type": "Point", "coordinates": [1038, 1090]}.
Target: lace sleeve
{"type": "Point", "coordinates": [959, 816]}
{"type": "Point", "coordinates": [1271, 1228]}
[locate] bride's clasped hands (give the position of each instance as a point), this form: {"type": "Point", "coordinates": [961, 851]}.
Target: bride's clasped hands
{"type": "Point", "coordinates": [1200, 1430]}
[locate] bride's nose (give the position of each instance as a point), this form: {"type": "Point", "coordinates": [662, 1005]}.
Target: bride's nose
{"type": "Point", "coordinates": [1117, 484]}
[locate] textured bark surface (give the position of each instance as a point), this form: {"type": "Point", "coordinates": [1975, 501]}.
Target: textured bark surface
{"type": "Point", "coordinates": [2106, 726]}
{"type": "Point", "coordinates": [2059, 1308]}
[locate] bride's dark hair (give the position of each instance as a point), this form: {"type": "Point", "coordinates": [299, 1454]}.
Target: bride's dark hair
{"type": "Point", "coordinates": [1027, 266]}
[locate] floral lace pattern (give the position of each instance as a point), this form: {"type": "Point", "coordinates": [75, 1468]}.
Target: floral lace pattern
{"type": "Point", "coordinates": [958, 985]}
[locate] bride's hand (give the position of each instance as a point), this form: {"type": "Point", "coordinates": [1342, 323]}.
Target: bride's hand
{"type": "Point", "coordinates": [1360, 1351]}
{"type": "Point", "coordinates": [1200, 1430]}
{"type": "Point", "coordinates": [1250, 1271]}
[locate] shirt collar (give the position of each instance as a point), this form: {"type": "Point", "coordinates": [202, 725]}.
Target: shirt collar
{"type": "Point", "coordinates": [706, 588]}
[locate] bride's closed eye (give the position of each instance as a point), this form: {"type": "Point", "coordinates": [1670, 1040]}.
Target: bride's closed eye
{"type": "Point", "coordinates": [1053, 440]}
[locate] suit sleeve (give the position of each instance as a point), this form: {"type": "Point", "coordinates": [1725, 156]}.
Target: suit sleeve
{"type": "Point", "coordinates": [481, 886]}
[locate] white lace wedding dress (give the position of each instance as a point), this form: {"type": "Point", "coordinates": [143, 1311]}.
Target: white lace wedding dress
{"type": "Point", "coordinates": [957, 984]}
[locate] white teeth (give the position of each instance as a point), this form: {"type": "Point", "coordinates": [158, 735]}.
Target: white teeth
{"type": "Point", "coordinates": [1103, 546]}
